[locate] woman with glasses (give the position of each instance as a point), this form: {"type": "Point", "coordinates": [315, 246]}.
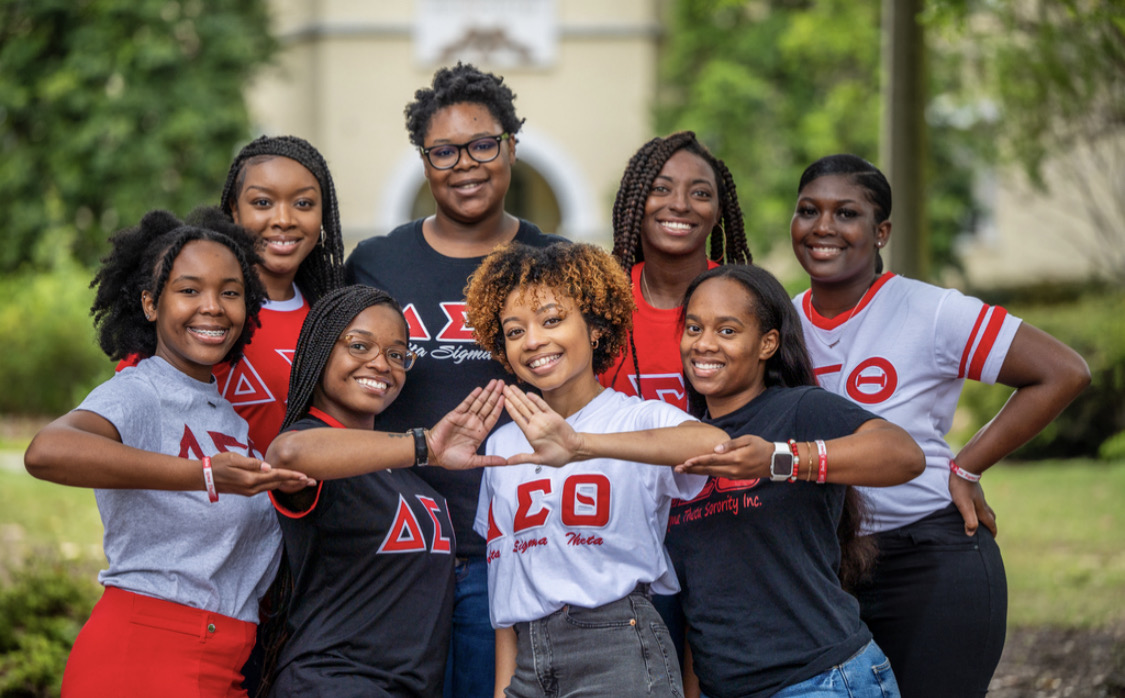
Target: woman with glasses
{"type": "Point", "coordinates": [465, 127]}
{"type": "Point", "coordinates": [370, 547]}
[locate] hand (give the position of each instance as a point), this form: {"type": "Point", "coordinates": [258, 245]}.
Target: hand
{"type": "Point", "coordinates": [453, 442]}
{"type": "Point", "coordinates": [744, 458]}
{"type": "Point", "coordinates": [235, 473]}
{"type": "Point", "coordinates": [555, 442]}
{"type": "Point", "coordinates": [969, 499]}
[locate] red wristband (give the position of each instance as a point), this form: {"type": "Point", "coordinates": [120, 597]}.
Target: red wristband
{"type": "Point", "coordinates": [209, 480]}
{"type": "Point", "coordinates": [962, 473]}
{"type": "Point", "coordinates": [796, 460]}
{"type": "Point", "coordinates": [822, 466]}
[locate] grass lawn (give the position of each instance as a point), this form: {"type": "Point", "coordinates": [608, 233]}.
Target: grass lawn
{"type": "Point", "coordinates": [1062, 532]}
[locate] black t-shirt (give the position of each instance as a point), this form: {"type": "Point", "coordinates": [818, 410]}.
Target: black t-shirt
{"type": "Point", "coordinates": [431, 289]}
{"type": "Point", "coordinates": [372, 563]}
{"type": "Point", "coordinates": [758, 559]}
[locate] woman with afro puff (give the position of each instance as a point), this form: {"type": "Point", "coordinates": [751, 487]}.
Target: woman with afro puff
{"type": "Point", "coordinates": [574, 552]}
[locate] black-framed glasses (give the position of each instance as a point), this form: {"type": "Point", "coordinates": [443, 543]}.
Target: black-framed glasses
{"type": "Point", "coordinates": [366, 349]}
{"type": "Point", "coordinates": [447, 155]}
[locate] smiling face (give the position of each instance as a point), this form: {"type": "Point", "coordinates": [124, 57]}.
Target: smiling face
{"type": "Point", "coordinates": [201, 310]}
{"type": "Point", "coordinates": [280, 203]}
{"type": "Point", "coordinates": [354, 390]}
{"type": "Point", "coordinates": [470, 191]}
{"type": "Point", "coordinates": [722, 348]}
{"type": "Point", "coordinates": [682, 207]}
{"type": "Point", "coordinates": [548, 344]}
{"type": "Point", "coordinates": [835, 236]}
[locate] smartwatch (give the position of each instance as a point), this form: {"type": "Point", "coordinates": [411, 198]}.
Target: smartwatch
{"type": "Point", "coordinates": [421, 449]}
{"type": "Point", "coordinates": [781, 464]}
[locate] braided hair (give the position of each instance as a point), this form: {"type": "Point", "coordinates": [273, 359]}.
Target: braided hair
{"type": "Point", "coordinates": [323, 269]}
{"type": "Point", "coordinates": [140, 260]}
{"type": "Point", "coordinates": [865, 175]}
{"type": "Point", "coordinates": [790, 367]}
{"type": "Point", "coordinates": [728, 237]}
{"type": "Point", "coordinates": [326, 321]}
{"type": "Point", "coordinates": [461, 83]}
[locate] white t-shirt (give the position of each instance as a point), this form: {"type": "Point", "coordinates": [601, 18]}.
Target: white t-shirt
{"type": "Point", "coordinates": [586, 533]}
{"type": "Point", "coordinates": [904, 353]}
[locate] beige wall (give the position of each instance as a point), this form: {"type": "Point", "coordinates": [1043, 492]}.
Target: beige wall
{"type": "Point", "coordinates": [347, 70]}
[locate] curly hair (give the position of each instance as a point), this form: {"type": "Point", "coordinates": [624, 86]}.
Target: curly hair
{"type": "Point", "coordinates": [865, 175]}
{"type": "Point", "coordinates": [585, 274]}
{"type": "Point", "coordinates": [141, 259]}
{"type": "Point", "coordinates": [461, 83]}
{"type": "Point", "coordinates": [323, 269]}
{"type": "Point", "coordinates": [728, 238]}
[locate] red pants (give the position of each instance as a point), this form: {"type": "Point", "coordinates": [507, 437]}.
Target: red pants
{"type": "Point", "coordinates": [135, 645]}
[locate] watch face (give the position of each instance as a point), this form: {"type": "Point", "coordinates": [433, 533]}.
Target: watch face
{"type": "Point", "coordinates": [782, 465]}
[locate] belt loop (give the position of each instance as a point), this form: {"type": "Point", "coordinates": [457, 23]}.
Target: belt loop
{"type": "Point", "coordinates": [643, 588]}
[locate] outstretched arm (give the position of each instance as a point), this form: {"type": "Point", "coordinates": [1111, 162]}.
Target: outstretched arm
{"type": "Point", "coordinates": [83, 449]}
{"type": "Point", "coordinates": [329, 454]}
{"type": "Point", "coordinates": [877, 454]}
{"type": "Point", "coordinates": [556, 443]}
{"type": "Point", "coordinates": [1047, 376]}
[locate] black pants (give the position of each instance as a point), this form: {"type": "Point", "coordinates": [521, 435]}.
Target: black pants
{"type": "Point", "coordinates": [938, 606]}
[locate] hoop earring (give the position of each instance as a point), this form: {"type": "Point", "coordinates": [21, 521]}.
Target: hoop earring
{"type": "Point", "coordinates": [321, 235]}
{"type": "Point", "coordinates": [594, 344]}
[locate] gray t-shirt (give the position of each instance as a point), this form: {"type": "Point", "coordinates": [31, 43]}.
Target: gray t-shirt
{"type": "Point", "coordinates": [178, 546]}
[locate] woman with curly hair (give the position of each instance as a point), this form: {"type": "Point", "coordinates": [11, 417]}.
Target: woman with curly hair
{"type": "Point", "coordinates": [159, 445]}
{"type": "Point", "coordinates": [465, 127]}
{"type": "Point", "coordinates": [371, 526]}
{"type": "Point", "coordinates": [575, 551]}
{"type": "Point", "coordinates": [674, 196]}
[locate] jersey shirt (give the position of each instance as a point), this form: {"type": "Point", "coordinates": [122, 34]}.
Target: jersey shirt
{"type": "Point", "coordinates": [656, 334]}
{"type": "Point", "coordinates": [904, 353]}
{"type": "Point", "coordinates": [586, 533]}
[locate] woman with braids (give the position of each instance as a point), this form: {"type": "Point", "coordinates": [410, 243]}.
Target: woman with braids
{"type": "Point", "coordinates": [938, 599]}
{"type": "Point", "coordinates": [574, 551]}
{"type": "Point", "coordinates": [465, 127]}
{"type": "Point", "coordinates": [159, 446]}
{"type": "Point", "coordinates": [371, 547]}
{"type": "Point", "coordinates": [280, 189]}
{"type": "Point", "coordinates": [673, 196]}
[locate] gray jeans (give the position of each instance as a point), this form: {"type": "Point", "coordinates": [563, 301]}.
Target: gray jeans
{"type": "Point", "coordinates": [617, 650]}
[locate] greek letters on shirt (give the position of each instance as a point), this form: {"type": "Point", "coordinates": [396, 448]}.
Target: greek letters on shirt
{"type": "Point", "coordinates": [405, 534]}
{"type": "Point", "coordinates": [584, 503]}
{"type": "Point", "coordinates": [448, 344]}
{"type": "Point", "coordinates": [190, 448]}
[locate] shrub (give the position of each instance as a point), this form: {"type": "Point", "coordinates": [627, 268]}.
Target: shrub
{"type": "Point", "coordinates": [41, 612]}
{"type": "Point", "coordinates": [51, 355]}
{"type": "Point", "coordinates": [1092, 325]}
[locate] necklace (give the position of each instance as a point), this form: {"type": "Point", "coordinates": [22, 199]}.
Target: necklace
{"type": "Point", "coordinates": [845, 316]}
{"type": "Point", "coordinates": [644, 289]}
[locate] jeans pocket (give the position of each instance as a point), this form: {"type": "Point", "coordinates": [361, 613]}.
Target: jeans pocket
{"type": "Point", "coordinates": [885, 679]}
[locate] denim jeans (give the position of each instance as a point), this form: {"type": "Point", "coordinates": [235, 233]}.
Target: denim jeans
{"type": "Point", "coordinates": [866, 675]}
{"type": "Point", "coordinates": [619, 649]}
{"type": "Point", "coordinates": [470, 671]}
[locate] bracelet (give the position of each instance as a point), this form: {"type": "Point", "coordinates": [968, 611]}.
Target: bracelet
{"type": "Point", "coordinates": [962, 473]}
{"type": "Point", "coordinates": [822, 468]}
{"type": "Point", "coordinates": [796, 460]}
{"type": "Point", "coordinates": [421, 450]}
{"type": "Point", "coordinates": [209, 480]}
{"type": "Point", "coordinates": [810, 449]}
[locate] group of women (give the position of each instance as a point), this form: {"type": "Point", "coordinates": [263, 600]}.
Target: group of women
{"type": "Point", "coordinates": [658, 438]}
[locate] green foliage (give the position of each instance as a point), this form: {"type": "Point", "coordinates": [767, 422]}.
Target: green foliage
{"type": "Point", "coordinates": [109, 108]}
{"type": "Point", "coordinates": [1092, 326]}
{"type": "Point", "coordinates": [1113, 448]}
{"type": "Point", "coordinates": [773, 85]}
{"type": "Point", "coordinates": [41, 612]}
{"type": "Point", "coordinates": [47, 339]}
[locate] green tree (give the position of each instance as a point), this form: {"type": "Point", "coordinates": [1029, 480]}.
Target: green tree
{"type": "Point", "coordinates": [109, 108]}
{"type": "Point", "coordinates": [772, 85]}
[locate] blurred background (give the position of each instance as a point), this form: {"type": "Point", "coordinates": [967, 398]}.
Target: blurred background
{"type": "Point", "coordinates": [1000, 122]}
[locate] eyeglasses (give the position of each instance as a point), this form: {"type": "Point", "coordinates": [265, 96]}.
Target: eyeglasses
{"type": "Point", "coordinates": [447, 155]}
{"type": "Point", "coordinates": [366, 349]}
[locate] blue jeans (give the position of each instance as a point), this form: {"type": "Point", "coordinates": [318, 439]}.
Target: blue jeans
{"type": "Point", "coordinates": [866, 675]}
{"type": "Point", "coordinates": [619, 649]}
{"type": "Point", "coordinates": [470, 671]}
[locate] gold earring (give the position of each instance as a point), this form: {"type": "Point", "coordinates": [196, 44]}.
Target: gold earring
{"type": "Point", "coordinates": [594, 344]}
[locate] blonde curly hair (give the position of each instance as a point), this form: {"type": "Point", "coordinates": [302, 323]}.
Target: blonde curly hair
{"type": "Point", "coordinates": [584, 274]}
